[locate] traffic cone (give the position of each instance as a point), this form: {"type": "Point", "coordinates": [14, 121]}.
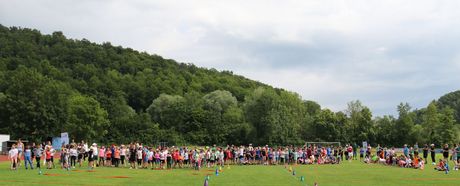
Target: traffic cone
{"type": "Point", "coordinates": [217, 172]}
{"type": "Point", "coordinates": [290, 169]}
{"type": "Point", "coordinates": [302, 178]}
{"type": "Point", "coordinates": [205, 182]}
{"type": "Point", "coordinates": [40, 172]}
{"type": "Point", "coordinates": [293, 173]}
{"type": "Point", "coordinates": [207, 177]}
{"type": "Point", "coordinates": [220, 169]}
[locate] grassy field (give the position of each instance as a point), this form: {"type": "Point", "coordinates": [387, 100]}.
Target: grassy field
{"type": "Point", "coordinates": [354, 173]}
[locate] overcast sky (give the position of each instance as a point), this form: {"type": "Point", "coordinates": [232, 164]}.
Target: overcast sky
{"type": "Point", "coordinates": [332, 52]}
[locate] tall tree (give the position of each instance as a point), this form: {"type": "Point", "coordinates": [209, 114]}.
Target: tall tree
{"type": "Point", "coordinates": [87, 120]}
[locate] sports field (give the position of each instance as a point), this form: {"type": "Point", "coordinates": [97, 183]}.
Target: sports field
{"type": "Point", "coordinates": [354, 173]}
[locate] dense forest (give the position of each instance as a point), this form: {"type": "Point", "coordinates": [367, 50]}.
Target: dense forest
{"type": "Point", "coordinates": [99, 92]}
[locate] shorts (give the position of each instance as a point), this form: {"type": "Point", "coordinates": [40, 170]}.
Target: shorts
{"type": "Point", "coordinates": [139, 161]}
{"type": "Point", "coordinates": [108, 159]}
{"type": "Point", "coordinates": [48, 160]}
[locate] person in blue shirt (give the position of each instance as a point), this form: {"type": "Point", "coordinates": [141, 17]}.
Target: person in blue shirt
{"type": "Point", "coordinates": [28, 157]}
{"type": "Point", "coordinates": [406, 151]}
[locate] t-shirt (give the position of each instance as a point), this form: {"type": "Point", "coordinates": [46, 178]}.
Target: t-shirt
{"type": "Point", "coordinates": [27, 153]}
{"type": "Point", "coordinates": [13, 153]}
{"type": "Point", "coordinates": [73, 152]}
{"type": "Point", "coordinates": [406, 151]}
{"type": "Point", "coordinates": [139, 154]}
{"type": "Point", "coordinates": [48, 154]}
{"type": "Point", "coordinates": [38, 152]}
{"type": "Point", "coordinates": [101, 153]}
{"type": "Point", "coordinates": [116, 154]}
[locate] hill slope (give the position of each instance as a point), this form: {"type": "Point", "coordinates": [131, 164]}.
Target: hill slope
{"type": "Point", "coordinates": [42, 74]}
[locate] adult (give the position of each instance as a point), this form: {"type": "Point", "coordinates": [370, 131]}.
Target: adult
{"type": "Point", "coordinates": [445, 152]}
{"type": "Point", "coordinates": [20, 148]}
{"type": "Point", "coordinates": [425, 152]}
{"type": "Point", "coordinates": [433, 154]}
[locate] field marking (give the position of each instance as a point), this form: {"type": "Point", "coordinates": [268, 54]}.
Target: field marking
{"type": "Point", "coordinates": [431, 179]}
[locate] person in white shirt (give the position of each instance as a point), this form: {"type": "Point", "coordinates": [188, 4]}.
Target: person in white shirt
{"type": "Point", "coordinates": [73, 156]}
{"type": "Point", "coordinates": [13, 157]}
{"type": "Point", "coordinates": [85, 146]}
{"type": "Point", "coordinates": [123, 152]}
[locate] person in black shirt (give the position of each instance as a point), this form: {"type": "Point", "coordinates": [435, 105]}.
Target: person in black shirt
{"type": "Point", "coordinates": [425, 152]}
{"type": "Point", "coordinates": [132, 156]}
{"type": "Point", "coordinates": [445, 152]}
{"type": "Point", "coordinates": [433, 154]}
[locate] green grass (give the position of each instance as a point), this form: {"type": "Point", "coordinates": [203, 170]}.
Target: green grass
{"type": "Point", "coordinates": [354, 173]}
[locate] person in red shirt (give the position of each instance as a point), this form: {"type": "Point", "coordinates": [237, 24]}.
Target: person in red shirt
{"type": "Point", "coordinates": [48, 158]}
{"type": "Point", "coordinates": [116, 156]}
{"type": "Point", "coordinates": [108, 157]}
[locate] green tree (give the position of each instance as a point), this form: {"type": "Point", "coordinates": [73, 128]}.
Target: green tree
{"type": "Point", "coordinates": [446, 128]}
{"type": "Point", "coordinates": [87, 120]}
{"type": "Point", "coordinates": [430, 123]}
{"type": "Point", "coordinates": [404, 124]}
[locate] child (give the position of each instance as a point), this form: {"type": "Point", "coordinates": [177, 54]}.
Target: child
{"type": "Point", "coordinates": [38, 154]}
{"type": "Point", "coordinates": [101, 155]}
{"type": "Point", "coordinates": [108, 157]}
{"type": "Point", "coordinates": [139, 157]}
{"type": "Point", "coordinates": [73, 155]}
{"type": "Point", "coordinates": [66, 157]}
{"type": "Point", "coordinates": [116, 155]}
{"type": "Point", "coordinates": [441, 166]}
{"type": "Point", "coordinates": [132, 156]}
{"type": "Point", "coordinates": [52, 152]}
{"type": "Point", "coordinates": [150, 158]}
{"type": "Point", "coordinates": [13, 156]}
{"type": "Point", "coordinates": [157, 159]}
{"type": "Point", "coordinates": [48, 158]}
{"type": "Point", "coordinates": [122, 155]}
{"type": "Point", "coordinates": [28, 157]}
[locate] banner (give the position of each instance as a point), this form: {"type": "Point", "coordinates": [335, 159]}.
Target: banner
{"type": "Point", "coordinates": [56, 143]}
{"type": "Point", "coordinates": [64, 138]}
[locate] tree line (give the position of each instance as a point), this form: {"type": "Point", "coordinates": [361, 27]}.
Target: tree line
{"type": "Point", "coordinates": [51, 84]}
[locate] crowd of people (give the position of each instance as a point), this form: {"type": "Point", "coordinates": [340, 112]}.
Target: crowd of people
{"type": "Point", "coordinates": [139, 156]}
{"type": "Point", "coordinates": [411, 158]}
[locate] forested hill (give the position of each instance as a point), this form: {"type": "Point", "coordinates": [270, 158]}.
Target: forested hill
{"type": "Point", "coordinates": [42, 75]}
{"type": "Point", "coordinates": [109, 94]}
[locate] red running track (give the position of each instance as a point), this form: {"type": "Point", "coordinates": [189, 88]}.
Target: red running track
{"type": "Point", "coordinates": [3, 158]}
